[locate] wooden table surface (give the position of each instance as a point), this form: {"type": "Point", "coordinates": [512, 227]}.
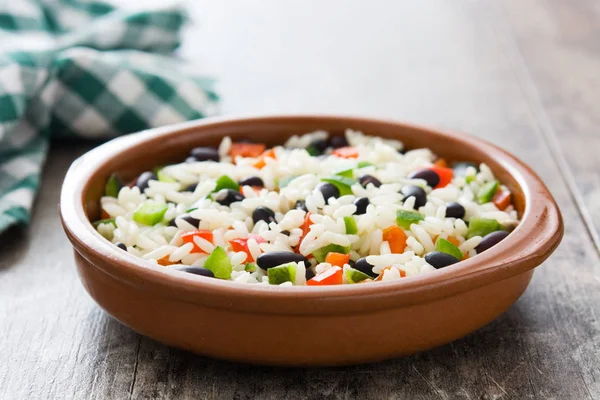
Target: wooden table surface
{"type": "Point", "coordinates": [522, 74]}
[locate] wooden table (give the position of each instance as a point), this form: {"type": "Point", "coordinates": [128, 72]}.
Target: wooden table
{"type": "Point", "coordinates": [522, 74]}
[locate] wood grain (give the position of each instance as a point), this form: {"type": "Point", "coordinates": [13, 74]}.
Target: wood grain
{"type": "Point", "coordinates": [447, 64]}
{"type": "Point", "coordinates": [560, 63]}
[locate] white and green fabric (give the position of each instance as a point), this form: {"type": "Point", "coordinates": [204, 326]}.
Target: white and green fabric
{"type": "Point", "coordinates": [75, 69]}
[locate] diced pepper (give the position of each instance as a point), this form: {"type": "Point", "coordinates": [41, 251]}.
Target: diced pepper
{"type": "Point", "coordinates": [282, 273]}
{"type": "Point", "coordinates": [164, 261]}
{"type": "Point", "coordinates": [313, 151]}
{"type": "Point", "coordinates": [321, 254]}
{"type": "Point", "coordinates": [453, 240]}
{"type": "Point", "coordinates": [396, 238]}
{"type": "Point", "coordinates": [104, 214]}
{"type": "Point", "coordinates": [246, 150]}
{"type": "Point", "coordinates": [355, 276]}
{"type": "Point", "coordinates": [445, 174]}
{"type": "Point", "coordinates": [188, 237]}
{"type": "Point", "coordinates": [486, 192]}
{"type": "Point", "coordinates": [337, 259]}
{"type": "Point", "coordinates": [104, 221]}
{"type": "Point", "coordinates": [445, 246]}
{"type": "Point", "coordinates": [363, 164]}
{"type": "Point", "coordinates": [163, 177]}
{"type": "Point", "coordinates": [350, 223]}
{"type": "Point", "coordinates": [241, 244]}
{"type": "Point", "coordinates": [482, 227]}
{"type": "Point", "coordinates": [332, 276]}
{"type": "Point", "coordinates": [305, 228]}
{"type": "Point", "coordinates": [502, 199]}
{"type": "Point", "coordinates": [283, 182]}
{"type": "Point", "coordinates": [218, 262]}
{"type": "Point", "coordinates": [441, 162]}
{"type": "Point", "coordinates": [250, 267]}
{"type": "Point", "coordinates": [470, 178]}
{"type": "Point", "coordinates": [346, 152]}
{"type": "Point", "coordinates": [113, 186]}
{"type": "Point", "coordinates": [346, 173]}
{"type": "Point", "coordinates": [342, 183]}
{"type": "Point", "coordinates": [225, 182]}
{"type": "Point", "coordinates": [261, 161]}
{"type": "Point", "coordinates": [150, 212]}
{"type": "Point", "coordinates": [405, 219]}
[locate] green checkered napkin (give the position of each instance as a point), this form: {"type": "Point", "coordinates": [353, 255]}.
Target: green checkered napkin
{"type": "Point", "coordinates": [79, 69]}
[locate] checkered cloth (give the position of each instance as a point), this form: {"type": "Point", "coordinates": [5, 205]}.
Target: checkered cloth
{"type": "Point", "coordinates": [77, 69]}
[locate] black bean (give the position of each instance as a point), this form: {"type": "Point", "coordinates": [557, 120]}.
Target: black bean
{"type": "Point", "coordinates": [190, 188]}
{"type": "Point", "coordinates": [275, 258]}
{"type": "Point", "coordinates": [205, 154]}
{"type": "Point", "coordinates": [309, 274]}
{"type": "Point", "coordinates": [286, 233]}
{"type": "Point", "coordinates": [490, 240]}
{"type": "Point", "coordinates": [455, 210]}
{"type": "Point", "coordinates": [328, 190]}
{"type": "Point", "coordinates": [366, 179]}
{"type": "Point", "coordinates": [252, 181]}
{"type": "Point", "coordinates": [227, 196]}
{"type": "Point", "coordinates": [416, 192]}
{"type": "Point", "coordinates": [438, 260]}
{"type": "Point", "coordinates": [351, 263]}
{"type": "Point", "coordinates": [301, 205]}
{"type": "Point", "coordinates": [187, 218]}
{"type": "Point", "coordinates": [263, 214]}
{"type": "Point", "coordinates": [402, 151]}
{"type": "Point", "coordinates": [460, 168]}
{"type": "Point", "coordinates": [319, 144]}
{"type": "Point", "coordinates": [121, 245]}
{"type": "Point", "coordinates": [429, 176]}
{"type": "Point", "coordinates": [338, 141]}
{"type": "Point", "coordinates": [363, 266]}
{"type": "Point", "coordinates": [196, 271]}
{"type": "Point", "coordinates": [361, 205]}
{"type": "Point", "coordinates": [142, 180]}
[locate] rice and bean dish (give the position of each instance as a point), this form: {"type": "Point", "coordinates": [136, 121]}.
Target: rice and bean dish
{"type": "Point", "coordinates": [318, 210]}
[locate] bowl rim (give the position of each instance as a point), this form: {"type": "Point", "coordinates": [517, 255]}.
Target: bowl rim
{"type": "Point", "coordinates": [512, 256]}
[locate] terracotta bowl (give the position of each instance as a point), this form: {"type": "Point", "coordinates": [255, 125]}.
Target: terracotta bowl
{"type": "Point", "coordinates": [332, 325]}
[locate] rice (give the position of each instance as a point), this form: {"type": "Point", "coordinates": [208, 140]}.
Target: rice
{"type": "Point", "coordinates": [288, 212]}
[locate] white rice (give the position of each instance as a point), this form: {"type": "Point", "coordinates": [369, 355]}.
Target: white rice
{"type": "Point", "coordinates": [327, 227]}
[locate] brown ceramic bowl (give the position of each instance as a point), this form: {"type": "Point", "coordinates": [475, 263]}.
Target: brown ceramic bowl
{"type": "Point", "coordinates": [332, 325]}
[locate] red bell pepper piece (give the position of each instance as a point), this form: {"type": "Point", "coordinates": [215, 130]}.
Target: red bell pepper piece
{"type": "Point", "coordinates": [188, 237]}
{"type": "Point", "coordinates": [445, 174]}
{"type": "Point", "coordinates": [333, 276]}
{"type": "Point", "coordinates": [241, 244]}
{"type": "Point", "coordinates": [346, 152]}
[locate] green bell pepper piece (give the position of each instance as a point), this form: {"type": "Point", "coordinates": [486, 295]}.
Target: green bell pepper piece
{"type": "Point", "coordinates": [225, 182]}
{"type": "Point", "coordinates": [104, 221]}
{"type": "Point", "coordinates": [321, 254]}
{"type": "Point", "coordinates": [486, 192]}
{"type": "Point", "coordinates": [355, 276]}
{"type": "Point", "coordinates": [447, 247]}
{"type": "Point", "coordinates": [150, 213]}
{"type": "Point", "coordinates": [218, 262]}
{"type": "Point", "coordinates": [482, 227]}
{"type": "Point", "coordinates": [282, 273]}
{"type": "Point", "coordinates": [342, 183]}
{"type": "Point", "coordinates": [363, 164]}
{"type": "Point", "coordinates": [346, 173]}
{"type": "Point", "coordinates": [113, 186]}
{"type": "Point", "coordinates": [350, 223]}
{"type": "Point", "coordinates": [404, 219]}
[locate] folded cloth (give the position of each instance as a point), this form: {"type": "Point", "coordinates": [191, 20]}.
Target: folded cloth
{"type": "Point", "coordinates": [84, 70]}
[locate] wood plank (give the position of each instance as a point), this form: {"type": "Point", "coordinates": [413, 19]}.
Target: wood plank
{"type": "Point", "coordinates": [439, 63]}
{"type": "Point", "coordinates": [54, 341]}
{"type": "Point", "coordinates": [557, 44]}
